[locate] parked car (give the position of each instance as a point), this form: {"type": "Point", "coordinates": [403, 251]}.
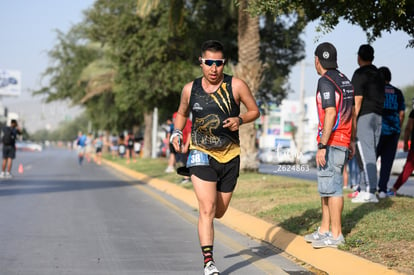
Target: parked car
{"type": "Point", "coordinates": [398, 164]}
{"type": "Point", "coordinates": [28, 146]}
{"type": "Point", "coordinates": [309, 157]}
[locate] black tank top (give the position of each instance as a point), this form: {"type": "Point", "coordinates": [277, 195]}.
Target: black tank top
{"type": "Point", "coordinates": [209, 110]}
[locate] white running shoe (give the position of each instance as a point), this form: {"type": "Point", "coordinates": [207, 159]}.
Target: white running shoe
{"type": "Point", "coordinates": [169, 169]}
{"type": "Point", "coordinates": [364, 197]}
{"type": "Point", "coordinates": [2, 175]}
{"type": "Point", "coordinates": [8, 175]}
{"type": "Point", "coordinates": [382, 195]}
{"type": "Point", "coordinates": [211, 269]}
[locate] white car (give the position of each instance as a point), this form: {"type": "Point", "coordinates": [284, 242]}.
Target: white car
{"type": "Point", "coordinates": [398, 164]}
{"type": "Point", "coordinates": [28, 146]}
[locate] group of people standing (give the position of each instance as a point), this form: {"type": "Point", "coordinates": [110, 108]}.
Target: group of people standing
{"type": "Point", "coordinates": [359, 120]}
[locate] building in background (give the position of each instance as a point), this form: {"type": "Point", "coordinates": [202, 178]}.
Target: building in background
{"type": "Point", "coordinates": [279, 127]}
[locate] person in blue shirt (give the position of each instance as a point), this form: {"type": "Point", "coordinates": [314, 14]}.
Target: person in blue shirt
{"type": "Point", "coordinates": [392, 119]}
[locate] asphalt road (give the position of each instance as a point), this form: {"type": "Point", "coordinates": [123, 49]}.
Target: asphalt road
{"type": "Point", "coordinates": [309, 173]}
{"type": "Point", "coordinates": [61, 218]}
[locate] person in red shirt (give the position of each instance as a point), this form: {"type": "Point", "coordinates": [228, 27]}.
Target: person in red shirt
{"type": "Point", "coordinates": [335, 105]}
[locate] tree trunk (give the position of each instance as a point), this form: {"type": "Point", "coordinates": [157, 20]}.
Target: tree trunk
{"type": "Point", "coordinates": [147, 134]}
{"type": "Point", "coordinates": [249, 69]}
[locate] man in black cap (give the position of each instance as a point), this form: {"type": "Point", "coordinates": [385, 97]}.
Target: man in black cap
{"type": "Point", "coordinates": [335, 105]}
{"type": "Point", "coordinates": [369, 102]}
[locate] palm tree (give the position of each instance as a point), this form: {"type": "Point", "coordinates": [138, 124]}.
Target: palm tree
{"type": "Point", "coordinates": [250, 69]}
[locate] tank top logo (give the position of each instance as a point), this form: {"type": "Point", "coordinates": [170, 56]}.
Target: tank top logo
{"type": "Point", "coordinates": [197, 107]}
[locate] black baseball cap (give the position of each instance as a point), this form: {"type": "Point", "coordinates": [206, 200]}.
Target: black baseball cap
{"type": "Point", "coordinates": [326, 52]}
{"type": "Point", "coordinates": [366, 52]}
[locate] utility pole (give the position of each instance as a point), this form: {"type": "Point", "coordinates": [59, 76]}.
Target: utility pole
{"type": "Point", "coordinates": [154, 133]}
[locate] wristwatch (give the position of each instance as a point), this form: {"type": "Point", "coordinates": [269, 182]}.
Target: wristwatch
{"type": "Point", "coordinates": [240, 121]}
{"type": "Point", "coordinates": [322, 146]}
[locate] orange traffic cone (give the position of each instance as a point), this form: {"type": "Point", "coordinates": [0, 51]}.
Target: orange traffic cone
{"type": "Point", "coordinates": [20, 168]}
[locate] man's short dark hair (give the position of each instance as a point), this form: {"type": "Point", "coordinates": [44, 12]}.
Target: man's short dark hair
{"type": "Point", "coordinates": [13, 121]}
{"type": "Point", "coordinates": [213, 46]}
{"type": "Point", "coordinates": [366, 52]}
{"type": "Point", "coordinates": [385, 73]}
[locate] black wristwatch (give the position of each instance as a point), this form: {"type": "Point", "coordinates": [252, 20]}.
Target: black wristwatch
{"type": "Point", "coordinates": [322, 146]}
{"type": "Point", "coordinates": [240, 121]}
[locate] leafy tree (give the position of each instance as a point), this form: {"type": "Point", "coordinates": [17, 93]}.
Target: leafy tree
{"type": "Point", "coordinates": [279, 53]}
{"type": "Point", "coordinates": [374, 17]}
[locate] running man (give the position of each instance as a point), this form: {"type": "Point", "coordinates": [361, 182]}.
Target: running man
{"type": "Point", "coordinates": [214, 162]}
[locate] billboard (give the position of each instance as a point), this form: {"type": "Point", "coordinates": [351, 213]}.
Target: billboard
{"type": "Point", "coordinates": [10, 82]}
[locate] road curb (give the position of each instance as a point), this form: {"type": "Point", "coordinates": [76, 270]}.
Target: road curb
{"type": "Point", "coordinates": [330, 260]}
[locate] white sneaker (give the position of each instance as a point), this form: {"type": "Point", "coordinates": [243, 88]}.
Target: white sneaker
{"type": "Point", "coordinates": [364, 197]}
{"type": "Point", "coordinates": [211, 269]}
{"type": "Point", "coordinates": [169, 169]}
{"type": "Point", "coordinates": [2, 175]}
{"type": "Point", "coordinates": [382, 195]}
{"type": "Point", "coordinates": [8, 175]}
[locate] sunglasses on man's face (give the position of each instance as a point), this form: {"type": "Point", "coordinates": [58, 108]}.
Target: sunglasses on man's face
{"type": "Point", "coordinates": [210, 62]}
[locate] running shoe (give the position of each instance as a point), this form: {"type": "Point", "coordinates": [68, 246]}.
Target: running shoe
{"type": "Point", "coordinates": [364, 197]}
{"type": "Point", "coordinates": [316, 236]}
{"type": "Point", "coordinates": [353, 194]}
{"type": "Point", "coordinates": [391, 193]}
{"type": "Point", "coordinates": [2, 175]}
{"type": "Point", "coordinates": [8, 175]}
{"type": "Point", "coordinates": [382, 195]}
{"type": "Point", "coordinates": [329, 242]}
{"type": "Point", "coordinates": [211, 269]}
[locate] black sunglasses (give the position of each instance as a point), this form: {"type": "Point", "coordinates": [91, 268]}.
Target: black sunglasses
{"type": "Point", "coordinates": [210, 62]}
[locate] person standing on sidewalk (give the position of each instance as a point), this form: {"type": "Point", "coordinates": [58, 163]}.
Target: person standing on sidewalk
{"type": "Point", "coordinates": [214, 162]}
{"type": "Point", "coordinates": [9, 135]}
{"type": "Point", "coordinates": [409, 164]}
{"type": "Point", "coordinates": [392, 119]}
{"type": "Point", "coordinates": [336, 113]}
{"type": "Point", "coordinates": [369, 89]}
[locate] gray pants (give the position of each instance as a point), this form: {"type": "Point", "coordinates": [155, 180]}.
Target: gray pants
{"type": "Point", "coordinates": [368, 134]}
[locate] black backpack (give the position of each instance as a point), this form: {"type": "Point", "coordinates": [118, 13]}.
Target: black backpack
{"type": "Point", "coordinates": [8, 137]}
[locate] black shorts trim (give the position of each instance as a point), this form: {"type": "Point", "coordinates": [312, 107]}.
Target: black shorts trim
{"type": "Point", "coordinates": [225, 174]}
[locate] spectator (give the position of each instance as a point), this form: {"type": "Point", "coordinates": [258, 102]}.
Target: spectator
{"type": "Point", "coordinates": [130, 152]}
{"type": "Point", "coordinates": [334, 99]}
{"type": "Point", "coordinates": [392, 119]}
{"type": "Point", "coordinates": [121, 146]}
{"type": "Point", "coordinates": [172, 153]}
{"type": "Point", "coordinates": [369, 102]}
{"type": "Point", "coordinates": [98, 149]}
{"type": "Point", "coordinates": [9, 147]}
{"type": "Point", "coordinates": [181, 157]}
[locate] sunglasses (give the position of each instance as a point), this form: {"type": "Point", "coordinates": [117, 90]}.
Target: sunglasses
{"type": "Point", "coordinates": [210, 62]}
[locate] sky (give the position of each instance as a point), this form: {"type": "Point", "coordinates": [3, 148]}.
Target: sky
{"type": "Point", "coordinates": [29, 32]}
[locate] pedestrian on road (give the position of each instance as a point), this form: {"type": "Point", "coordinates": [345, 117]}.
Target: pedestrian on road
{"type": "Point", "coordinates": [336, 112]}
{"type": "Point", "coordinates": [369, 103]}
{"type": "Point", "coordinates": [214, 162]}
{"type": "Point", "coordinates": [409, 164]}
{"type": "Point", "coordinates": [9, 134]}
{"type": "Point", "coordinates": [392, 119]}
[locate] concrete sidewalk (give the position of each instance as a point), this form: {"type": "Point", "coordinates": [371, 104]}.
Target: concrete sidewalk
{"type": "Point", "coordinates": [330, 260]}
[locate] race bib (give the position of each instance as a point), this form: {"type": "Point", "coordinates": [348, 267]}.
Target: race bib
{"type": "Point", "coordinates": [197, 158]}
